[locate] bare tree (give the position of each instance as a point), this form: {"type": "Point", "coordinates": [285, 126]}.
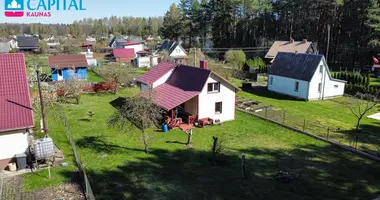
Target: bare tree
{"type": "Point", "coordinates": [71, 88]}
{"type": "Point", "coordinates": [360, 105]}
{"type": "Point", "coordinates": [139, 111]}
{"type": "Point", "coordinates": [117, 74]}
{"type": "Point", "coordinates": [165, 56]}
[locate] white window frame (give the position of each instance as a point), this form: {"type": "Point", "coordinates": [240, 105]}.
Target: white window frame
{"type": "Point", "coordinates": [213, 87]}
{"type": "Point", "coordinates": [319, 87]}
{"type": "Point", "coordinates": [321, 69]}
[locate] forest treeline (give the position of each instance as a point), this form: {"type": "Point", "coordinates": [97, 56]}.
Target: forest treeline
{"type": "Point", "coordinates": [353, 39]}
{"type": "Point", "coordinates": [354, 25]}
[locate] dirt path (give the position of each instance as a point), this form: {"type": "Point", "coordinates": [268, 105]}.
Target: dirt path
{"type": "Point", "coordinates": [13, 190]}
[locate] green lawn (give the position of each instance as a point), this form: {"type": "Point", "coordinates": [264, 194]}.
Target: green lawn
{"type": "Point", "coordinates": [375, 81]}
{"type": "Point", "coordinates": [93, 77]}
{"type": "Point", "coordinates": [119, 169]}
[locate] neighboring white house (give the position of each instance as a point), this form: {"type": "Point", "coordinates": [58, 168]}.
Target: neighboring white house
{"type": "Point", "coordinates": [16, 113]}
{"type": "Point", "coordinates": [304, 76]}
{"type": "Point", "coordinates": [137, 46]}
{"type": "Point", "coordinates": [91, 61]}
{"type": "Point", "coordinates": [175, 50]}
{"type": "Point", "coordinates": [146, 59]}
{"type": "Point", "coordinates": [195, 91]}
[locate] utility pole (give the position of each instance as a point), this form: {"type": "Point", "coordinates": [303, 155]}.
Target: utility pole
{"type": "Point", "coordinates": [44, 128]}
{"type": "Point", "coordinates": [328, 42]}
{"type": "Point", "coordinates": [195, 56]}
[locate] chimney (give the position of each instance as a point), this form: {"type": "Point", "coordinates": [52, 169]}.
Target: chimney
{"type": "Point", "coordinates": [304, 40]}
{"type": "Point", "coordinates": [203, 64]}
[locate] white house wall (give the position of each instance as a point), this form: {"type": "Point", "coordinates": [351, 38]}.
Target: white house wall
{"type": "Point", "coordinates": [178, 52]}
{"type": "Point", "coordinates": [143, 62]}
{"type": "Point", "coordinates": [329, 87]}
{"type": "Point", "coordinates": [137, 47]}
{"type": "Point", "coordinates": [207, 101]}
{"type": "Point", "coordinates": [286, 86]}
{"type": "Point", "coordinates": [163, 79]}
{"type": "Point", "coordinates": [12, 143]}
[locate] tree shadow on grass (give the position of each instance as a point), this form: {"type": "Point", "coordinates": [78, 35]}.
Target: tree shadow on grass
{"type": "Point", "coordinates": [100, 145]}
{"type": "Point", "coordinates": [325, 173]}
{"type": "Point", "coordinates": [118, 103]}
{"type": "Point", "coordinates": [264, 92]}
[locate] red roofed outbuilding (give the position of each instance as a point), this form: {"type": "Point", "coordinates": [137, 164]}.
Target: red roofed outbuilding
{"type": "Point", "coordinates": [124, 55]}
{"type": "Point", "coordinates": [16, 113]}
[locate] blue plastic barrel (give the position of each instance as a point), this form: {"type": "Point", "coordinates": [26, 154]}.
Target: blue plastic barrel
{"type": "Point", "coordinates": [165, 128]}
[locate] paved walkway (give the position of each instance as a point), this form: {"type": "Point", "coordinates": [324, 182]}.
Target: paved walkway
{"type": "Point", "coordinates": [375, 116]}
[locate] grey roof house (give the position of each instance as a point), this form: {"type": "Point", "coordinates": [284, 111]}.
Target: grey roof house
{"type": "Point", "coordinates": [27, 43]}
{"type": "Point", "coordinates": [175, 50]}
{"type": "Point", "coordinates": [116, 42]}
{"type": "Point", "coordinates": [303, 76]}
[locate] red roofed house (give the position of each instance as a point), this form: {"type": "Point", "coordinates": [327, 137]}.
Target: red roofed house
{"type": "Point", "coordinates": [16, 114]}
{"type": "Point", "coordinates": [194, 93]}
{"type": "Point", "coordinates": [123, 55]}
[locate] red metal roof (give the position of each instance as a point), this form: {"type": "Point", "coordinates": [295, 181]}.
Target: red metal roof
{"type": "Point", "coordinates": [15, 104]}
{"type": "Point", "coordinates": [130, 43]}
{"type": "Point", "coordinates": [63, 61]}
{"type": "Point", "coordinates": [124, 53]}
{"type": "Point", "coordinates": [168, 96]}
{"type": "Point", "coordinates": [156, 72]}
{"type": "Point", "coordinates": [189, 78]}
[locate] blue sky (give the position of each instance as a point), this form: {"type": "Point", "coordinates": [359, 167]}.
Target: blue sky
{"type": "Point", "coordinates": [96, 9]}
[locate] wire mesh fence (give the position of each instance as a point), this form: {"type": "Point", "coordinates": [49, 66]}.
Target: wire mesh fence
{"type": "Point", "coordinates": [82, 170]}
{"type": "Point", "coordinates": [363, 141]}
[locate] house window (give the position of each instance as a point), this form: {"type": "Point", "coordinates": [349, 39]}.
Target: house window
{"type": "Point", "coordinates": [271, 81]}
{"type": "Point", "coordinates": [319, 87]}
{"type": "Point", "coordinates": [336, 86]}
{"type": "Point", "coordinates": [177, 50]}
{"type": "Point", "coordinates": [213, 87]}
{"type": "Point", "coordinates": [321, 69]}
{"type": "Point", "coordinates": [76, 70]}
{"type": "Point", "coordinates": [218, 108]}
{"type": "Point", "coordinates": [60, 72]}
{"type": "Point", "coordinates": [296, 86]}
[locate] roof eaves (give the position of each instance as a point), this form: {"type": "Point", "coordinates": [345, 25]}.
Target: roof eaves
{"type": "Point", "coordinates": [225, 80]}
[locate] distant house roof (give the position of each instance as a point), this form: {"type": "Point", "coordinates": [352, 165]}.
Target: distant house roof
{"type": "Point", "coordinates": [184, 83]}
{"type": "Point", "coordinates": [156, 73]}
{"type": "Point", "coordinates": [15, 103]}
{"type": "Point", "coordinates": [67, 61]}
{"type": "Point", "coordinates": [27, 42]}
{"type": "Point", "coordinates": [118, 40]}
{"type": "Point", "coordinates": [298, 66]}
{"type": "Point", "coordinates": [169, 45]}
{"type": "Point", "coordinates": [288, 46]}
{"type": "Point", "coordinates": [129, 43]}
{"type": "Point", "coordinates": [144, 52]}
{"type": "Point", "coordinates": [124, 53]}
{"type": "Point", "coordinates": [5, 47]}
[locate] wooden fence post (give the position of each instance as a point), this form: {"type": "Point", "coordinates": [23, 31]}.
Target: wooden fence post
{"type": "Point", "coordinates": [243, 174]}
{"type": "Point", "coordinates": [304, 124]}
{"type": "Point", "coordinates": [214, 146]}
{"type": "Point", "coordinates": [328, 132]}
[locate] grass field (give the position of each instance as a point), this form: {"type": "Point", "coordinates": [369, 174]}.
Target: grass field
{"type": "Point", "coordinates": [119, 168]}
{"type": "Point", "coordinates": [375, 81]}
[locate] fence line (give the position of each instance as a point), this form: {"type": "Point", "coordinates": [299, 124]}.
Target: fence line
{"type": "Point", "coordinates": [82, 172]}
{"type": "Point", "coordinates": [326, 136]}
